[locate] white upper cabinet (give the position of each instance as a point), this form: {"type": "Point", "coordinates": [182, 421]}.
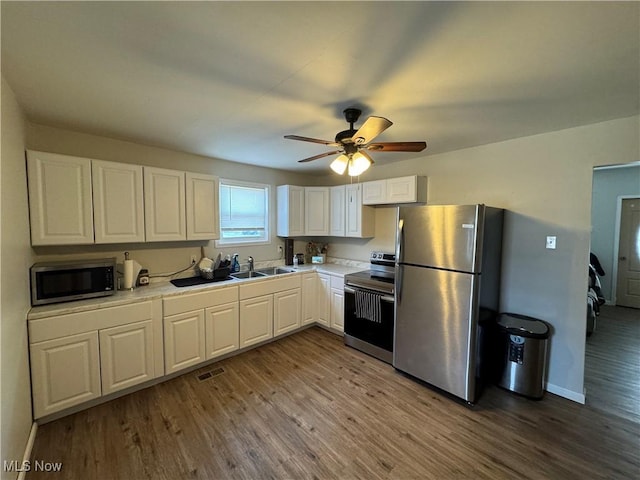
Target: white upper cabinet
{"type": "Point", "coordinates": [60, 202]}
{"type": "Point", "coordinates": [337, 211]}
{"type": "Point", "coordinates": [360, 220]}
{"type": "Point", "coordinates": [290, 216]}
{"type": "Point", "coordinates": [164, 204]}
{"type": "Point", "coordinates": [374, 192]}
{"type": "Point", "coordinates": [118, 202]}
{"type": "Point", "coordinates": [411, 189]}
{"type": "Point", "coordinates": [316, 209]}
{"type": "Point", "coordinates": [202, 207]}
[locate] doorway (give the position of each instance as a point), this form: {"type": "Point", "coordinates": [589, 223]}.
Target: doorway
{"type": "Point", "coordinates": [626, 271]}
{"type": "Point", "coordinates": [612, 351]}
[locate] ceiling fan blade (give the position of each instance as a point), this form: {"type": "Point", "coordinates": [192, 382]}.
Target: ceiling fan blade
{"type": "Point", "coordinates": [370, 129]}
{"type": "Point", "coordinates": [397, 146]}
{"type": "Point", "coordinates": [316, 157]}
{"type": "Point", "coordinates": [308, 139]}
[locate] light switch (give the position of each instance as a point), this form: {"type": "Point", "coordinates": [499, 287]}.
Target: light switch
{"type": "Point", "coordinates": [551, 242]}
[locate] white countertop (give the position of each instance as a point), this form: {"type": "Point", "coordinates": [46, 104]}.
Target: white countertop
{"type": "Point", "coordinates": [162, 289]}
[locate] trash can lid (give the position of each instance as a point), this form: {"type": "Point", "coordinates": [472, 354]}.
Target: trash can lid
{"type": "Point", "coordinates": [523, 326]}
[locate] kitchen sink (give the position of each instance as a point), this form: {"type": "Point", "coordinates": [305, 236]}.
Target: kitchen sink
{"type": "Point", "coordinates": [273, 271]}
{"type": "Point", "coordinates": [248, 274]}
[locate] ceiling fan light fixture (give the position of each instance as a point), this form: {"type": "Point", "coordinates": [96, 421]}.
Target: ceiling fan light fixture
{"type": "Point", "coordinates": [339, 165]}
{"type": "Point", "coordinates": [358, 164]}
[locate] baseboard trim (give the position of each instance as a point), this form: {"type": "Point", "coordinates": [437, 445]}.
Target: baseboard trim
{"type": "Point", "coordinates": [563, 392]}
{"type": "Point", "coordinates": [27, 451]}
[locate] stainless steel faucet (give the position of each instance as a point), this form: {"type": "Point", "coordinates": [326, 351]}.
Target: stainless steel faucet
{"type": "Point", "coordinates": [250, 260]}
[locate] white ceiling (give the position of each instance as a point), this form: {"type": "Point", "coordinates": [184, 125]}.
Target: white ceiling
{"type": "Point", "coordinates": [229, 79]}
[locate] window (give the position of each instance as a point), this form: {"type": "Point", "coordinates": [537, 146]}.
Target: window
{"type": "Point", "coordinates": [244, 213]}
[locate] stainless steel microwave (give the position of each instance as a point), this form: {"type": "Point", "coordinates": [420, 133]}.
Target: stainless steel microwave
{"type": "Point", "coordinates": [54, 282]}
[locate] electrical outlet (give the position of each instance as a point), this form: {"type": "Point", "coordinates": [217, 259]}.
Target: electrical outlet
{"type": "Point", "coordinates": [193, 259]}
{"type": "Point", "coordinates": [551, 242]}
{"type": "Point", "coordinates": [280, 249]}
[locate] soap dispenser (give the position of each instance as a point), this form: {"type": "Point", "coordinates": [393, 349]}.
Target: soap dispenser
{"type": "Point", "coordinates": [235, 265]}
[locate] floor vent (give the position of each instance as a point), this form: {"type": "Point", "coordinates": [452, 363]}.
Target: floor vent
{"type": "Point", "coordinates": [210, 374]}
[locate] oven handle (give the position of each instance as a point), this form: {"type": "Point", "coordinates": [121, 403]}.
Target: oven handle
{"type": "Point", "coordinates": [384, 298]}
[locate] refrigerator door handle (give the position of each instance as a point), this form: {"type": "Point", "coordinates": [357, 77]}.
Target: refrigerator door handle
{"type": "Point", "coordinates": [398, 272]}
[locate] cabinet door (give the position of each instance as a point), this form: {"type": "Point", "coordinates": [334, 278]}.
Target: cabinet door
{"type": "Point", "coordinates": [374, 193]}
{"type": "Point", "coordinates": [360, 220]}
{"type": "Point", "coordinates": [60, 203]}
{"type": "Point", "coordinates": [324, 299]}
{"type": "Point", "coordinates": [316, 208]}
{"type": "Point", "coordinates": [184, 340]}
{"type": "Point", "coordinates": [118, 203]}
{"type": "Point", "coordinates": [402, 190]}
{"type": "Point", "coordinates": [256, 320]}
{"type": "Point", "coordinates": [309, 297]}
{"type": "Point", "coordinates": [337, 211]}
{"type": "Point", "coordinates": [126, 356]}
{"type": "Point", "coordinates": [286, 311]}
{"type": "Point", "coordinates": [64, 372]}
{"type": "Point", "coordinates": [337, 309]}
{"type": "Point", "coordinates": [202, 207]}
{"type": "Point", "coordinates": [222, 329]}
{"type": "Point", "coordinates": [164, 205]}
{"type": "Point", "coordinates": [290, 211]}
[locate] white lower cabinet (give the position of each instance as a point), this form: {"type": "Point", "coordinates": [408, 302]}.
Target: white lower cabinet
{"type": "Point", "coordinates": [286, 311]}
{"type": "Point", "coordinates": [337, 303]}
{"type": "Point", "coordinates": [256, 320]}
{"type": "Point", "coordinates": [82, 356]}
{"type": "Point", "coordinates": [309, 298]}
{"type": "Point", "coordinates": [269, 308]}
{"type": "Point", "coordinates": [64, 372]}
{"type": "Point", "coordinates": [222, 329]}
{"type": "Point", "coordinates": [323, 315]}
{"type": "Point", "coordinates": [126, 356]}
{"type": "Point", "coordinates": [200, 326]}
{"type": "Point", "coordinates": [184, 341]}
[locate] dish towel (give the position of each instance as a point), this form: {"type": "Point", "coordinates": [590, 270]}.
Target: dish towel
{"type": "Point", "coordinates": [368, 306]}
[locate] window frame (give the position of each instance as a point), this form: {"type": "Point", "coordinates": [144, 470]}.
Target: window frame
{"type": "Point", "coordinates": [266, 239]}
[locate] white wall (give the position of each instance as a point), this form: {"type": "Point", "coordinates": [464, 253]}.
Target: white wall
{"type": "Point", "coordinates": [166, 256]}
{"type": "Point", "coordinates": [544, 181]}
{"type": "Point", "coordinates": [608, 185]}
{"type": "Point", "coordinates": [14, 285]}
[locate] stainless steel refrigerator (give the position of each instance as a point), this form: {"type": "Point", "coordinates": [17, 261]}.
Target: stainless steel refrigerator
{"type": "Point", "coordinates": [447, 285]}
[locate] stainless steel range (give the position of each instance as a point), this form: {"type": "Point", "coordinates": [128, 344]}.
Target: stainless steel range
{"type": "Point", "coordinates": [369, 307]}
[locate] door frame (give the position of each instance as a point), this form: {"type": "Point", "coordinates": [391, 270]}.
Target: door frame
{"type": "Point", "coordinates": [616, 247]}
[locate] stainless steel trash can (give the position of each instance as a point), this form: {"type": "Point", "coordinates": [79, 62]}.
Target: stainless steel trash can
{"type": "Point", "coordinates": [524, 342]}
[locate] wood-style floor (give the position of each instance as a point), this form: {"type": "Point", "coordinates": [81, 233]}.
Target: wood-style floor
{"type": "Point", "coordinates": [307, 407]}
{"type": "Point", "coordinates": [612, 363]}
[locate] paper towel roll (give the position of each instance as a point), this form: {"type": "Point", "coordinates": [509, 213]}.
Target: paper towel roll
{"type": "Point", "coordinates": [128, 274]}
{"type": "Point", "coordinates": [131, 271]}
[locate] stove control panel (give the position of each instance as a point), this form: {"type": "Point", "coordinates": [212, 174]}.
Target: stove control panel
{"type": "Point", "coordinates": [382, 258]}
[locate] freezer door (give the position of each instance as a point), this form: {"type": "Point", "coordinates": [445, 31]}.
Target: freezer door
{"type": "Point", "coordinates": [436, 328]}
{"type": "Point", "coordinates": [441, 236]}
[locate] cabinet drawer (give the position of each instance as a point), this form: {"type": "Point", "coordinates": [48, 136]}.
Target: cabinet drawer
{"type": "Point", "coordinates": [200, 300]}
{"type": "Point", "coordinates": [337, 282]}
{"type": "Point", "coordinates": [267, 287]}
{"type": "Point", "coordinates": [92, 320]}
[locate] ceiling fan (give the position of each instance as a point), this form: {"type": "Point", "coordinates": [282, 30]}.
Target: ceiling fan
{"type": "Point", "coordinates": [352, 145]}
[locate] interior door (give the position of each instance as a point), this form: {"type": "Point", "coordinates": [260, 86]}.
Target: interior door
{"type": "Point", "coordinates": [628, 281]}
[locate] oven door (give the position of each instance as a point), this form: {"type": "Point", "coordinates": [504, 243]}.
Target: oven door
{"type": "Point", "coordinates": [372, 334]}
